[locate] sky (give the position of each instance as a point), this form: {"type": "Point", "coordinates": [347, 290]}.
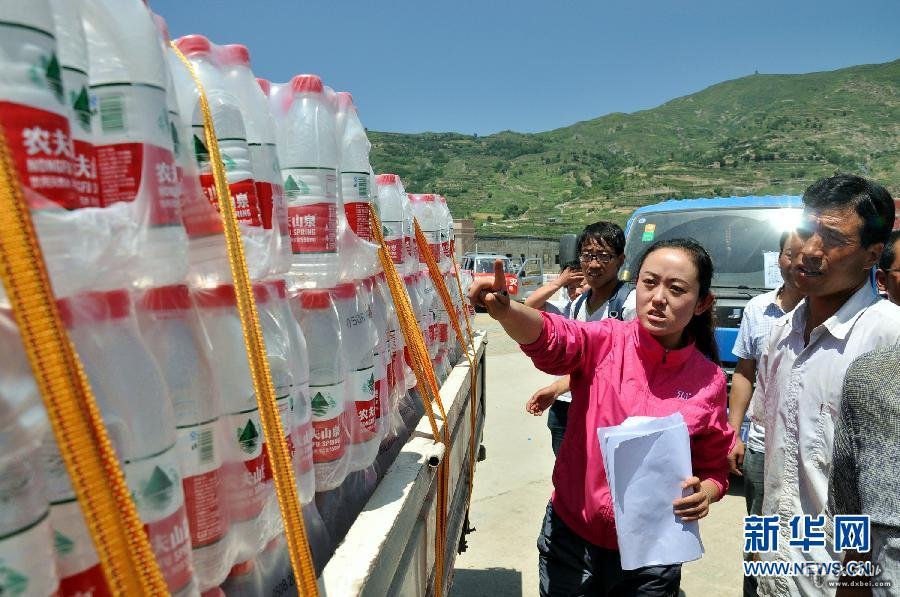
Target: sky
{"type": "Point", "coordinates": [482, 66]}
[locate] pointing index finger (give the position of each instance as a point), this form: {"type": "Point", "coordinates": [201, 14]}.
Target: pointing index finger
{"type": "Point", "coordinates": [499, 275]}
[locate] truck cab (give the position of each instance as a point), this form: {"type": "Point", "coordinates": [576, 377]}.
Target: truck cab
{"type": "Point", "coordinates": [480, 265]}
{"type": "Point", "coordinates": [741, 235]}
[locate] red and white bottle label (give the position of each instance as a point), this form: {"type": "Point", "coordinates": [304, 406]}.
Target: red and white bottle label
{"type": "Point", "coordinates": [358, 216]}
{"type": "Point", "coordinates": [313, 228]}
{"type": "Point", "coordinates": [198, 216]}
{"type": "Point", "coordinates": [283, 402]}
{"type": "Point", "coordinates": [87, 582]}
{"type": "Point", "coordinates": [243, 196]}
{"type": "Point", "coordinates": [393, 239]}
{"type": "Point", "coordinates": [141, 172]}
{"type": "Point", "coordinates": [85, 176]}
{"type": "Point", "coordinates": [265, 192]}
{"type": "Point", "coordinates": [364, 397]}
{"type": "Point", "coordinates": [156, 485]}
{"type": "Point", "coordinates": [201, 463]}
{"type": "Point", "coordinates": [245, 467]}
{"type": "Point", "coordinates": [330, 436]}
{"type": "Point", "coordinates": [42, 152]}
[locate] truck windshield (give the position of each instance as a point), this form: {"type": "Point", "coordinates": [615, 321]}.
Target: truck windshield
{"type": "Point", "coordinates": [486, 265]}
{"type": "Point", "coordinates": [737, 239]}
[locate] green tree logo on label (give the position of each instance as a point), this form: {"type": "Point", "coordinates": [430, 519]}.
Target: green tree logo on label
{"type": "Point", "coordinates": [321, 404]}
{"type": "Point", "coordinates": [12, 583]}
{"type": "Point", "coordinates": [63, 544]}
{"type": "Point", "coordinates": [81, 105]}
{"type": "Point", "coordinates": [369, 385]}
{"type": "Point", "coordinates": [248, 437]}
{"type": "Point", "coordinates": [54, 76]}
{"type": "Point", "coordinates": [159, 490]}
{"type": "Point", "coordinates": [294, 187]}
{"type": "Point", "coordinates": [201, 151]}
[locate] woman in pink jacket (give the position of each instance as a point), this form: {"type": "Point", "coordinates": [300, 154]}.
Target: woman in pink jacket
{"type": "Point", "coordinates": [663, 361]}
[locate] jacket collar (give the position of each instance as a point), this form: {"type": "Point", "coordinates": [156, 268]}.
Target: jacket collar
{"type": "Point", "coordinates": [651, 351]}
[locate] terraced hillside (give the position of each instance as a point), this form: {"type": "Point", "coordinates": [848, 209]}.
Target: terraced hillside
{"type": "Point", "coordinates": [762, 134]}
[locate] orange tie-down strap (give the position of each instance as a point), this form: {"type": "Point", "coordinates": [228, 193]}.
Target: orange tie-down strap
{"type": "Point", "coordinates": [127, 559]}
{"type": "Point", "coordinates": [438, 279]}
{"type": "Point", "coordinates": [428, 387]}
{"type": "Point", "coordinates": [282, 471]}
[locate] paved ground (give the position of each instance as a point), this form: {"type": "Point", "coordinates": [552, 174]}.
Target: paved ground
{"type": "Point", "coordinates": [512, 487]}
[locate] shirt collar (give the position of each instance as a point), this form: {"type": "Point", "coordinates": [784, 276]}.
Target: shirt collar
{"type": "Point", "coordinates": [651, 351]}
{"type": "Point", "coordinates": [840, 324]}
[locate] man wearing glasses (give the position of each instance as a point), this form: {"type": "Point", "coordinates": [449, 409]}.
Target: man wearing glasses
{"type": "Point", "coordinates": [602, 253]}
{"type": "Point", "coordinates": [602, 247]}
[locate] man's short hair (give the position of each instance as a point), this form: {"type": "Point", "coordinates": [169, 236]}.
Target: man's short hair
{"type": "Point", "coordinates": [783, 240]}
{"type": "Point", "coordinates": [573, 265]}
{"type": "Point", "coordinates": [872, 203]}
{"type": "Point", "coordinates": [890, 251]}
{"type": "Point", "coordinates": [605, 233]}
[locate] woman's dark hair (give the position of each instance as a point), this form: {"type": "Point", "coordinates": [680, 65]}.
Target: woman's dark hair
{"type": "Point", "coordinates": [702, 328]}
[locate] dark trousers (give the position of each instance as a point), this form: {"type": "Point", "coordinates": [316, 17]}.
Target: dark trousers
{"type": "Point", "coordinates": [557, 417]}
{"type": "Point", "coordinates": [570, 566]}
{"type": "Point", "coordinates": [753, 493]}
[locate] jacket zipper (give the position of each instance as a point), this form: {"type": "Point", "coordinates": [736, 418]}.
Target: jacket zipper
{"type": "Point", "coordinates": [665, 354]}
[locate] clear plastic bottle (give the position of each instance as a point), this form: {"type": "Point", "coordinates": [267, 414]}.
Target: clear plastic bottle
{"type": "Point", "coordinates": [299, 390]}
{"type": "Point", "coordinates": [244, 580]}
{"type": "Point", "coordinates": [379, 315]}
{"type": "Point", "coordinates": [247, 489]}
{"type": "Point", "coordinates": [137, 409]}
{"type": "Point", "coordinates": [308, 153]}
{"type": "Point", "coordinates": [33, 113]}
{"type": "Point", "coordinates": [358, 340]}
{"type": "Point", "coordinates": [445, 223]}
{"type": "Point", "coordinates": [26, 537]}
{"type": "Point", "coordinates": [170, 327]}
{"type": "Point", "coordinates": [139, 184]}
{"type": "Point", "coordinates": [261, 138]}
{"type": "Point", "coordinates": [280, 355]}
{"type": "Point", "coordinates": [231, 135]}
{"type": "Point", "coordinates": [356, 181]}
{"type": "Point", "coordinates": [327, 384]}
{"type": "Point", "coordinates": [391, 203]}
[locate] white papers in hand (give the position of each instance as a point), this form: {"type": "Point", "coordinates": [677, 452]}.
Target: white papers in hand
{"type": "Point", "coordinates": [646, 460]}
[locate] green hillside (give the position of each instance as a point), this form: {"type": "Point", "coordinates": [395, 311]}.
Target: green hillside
{"type": "Point", "coordinates": [762, 134]}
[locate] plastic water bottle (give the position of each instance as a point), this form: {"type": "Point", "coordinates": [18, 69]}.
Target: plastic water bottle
{"type": "Point", "coordinates": [244, 470]}
{"type": "Point", "coordinates": [73, 59]}
{"type": "Point", "coordinates": [308, 153]}
{"type": "Point", "coordinates": [261, 138]}
{"type": "Point", "coordinates": [26, 538]}
{"type": "Point", "coordinates": [301, 415]}
{"type": "Point", "coordinates": [139, 184]}
{"type": "Point", "coordinates": [280, 354]}
{"type": "Point", "coordinates": [33, 113]}
{"type": "Point", "coordinates": [327, 384]}
{"type": "Point", "coordinates": [358, 340]}
{"type": "Point", "coordinates": [396, 220]}
{"type": "Point", "coordinates": [137, 410]}
{"type": "Point", "coordinates": [232, 138]}
{"type": "Point", "coordinates": [170, 327]}
{"type": "Point", "coordinates": [379, 316]}
{"type": "Point", "coordinates": [356, 178]}
{"type": "Point", "coordinates": [425, 212]}
{"type": "Point", "coordinates": [445, 230]}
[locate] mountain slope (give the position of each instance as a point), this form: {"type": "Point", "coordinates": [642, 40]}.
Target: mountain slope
{"type": "Point", "coordinates": [762, 134]}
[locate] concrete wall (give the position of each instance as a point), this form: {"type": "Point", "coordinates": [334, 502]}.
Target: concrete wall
{"type": "Point", "coordinates": [519, 248]}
